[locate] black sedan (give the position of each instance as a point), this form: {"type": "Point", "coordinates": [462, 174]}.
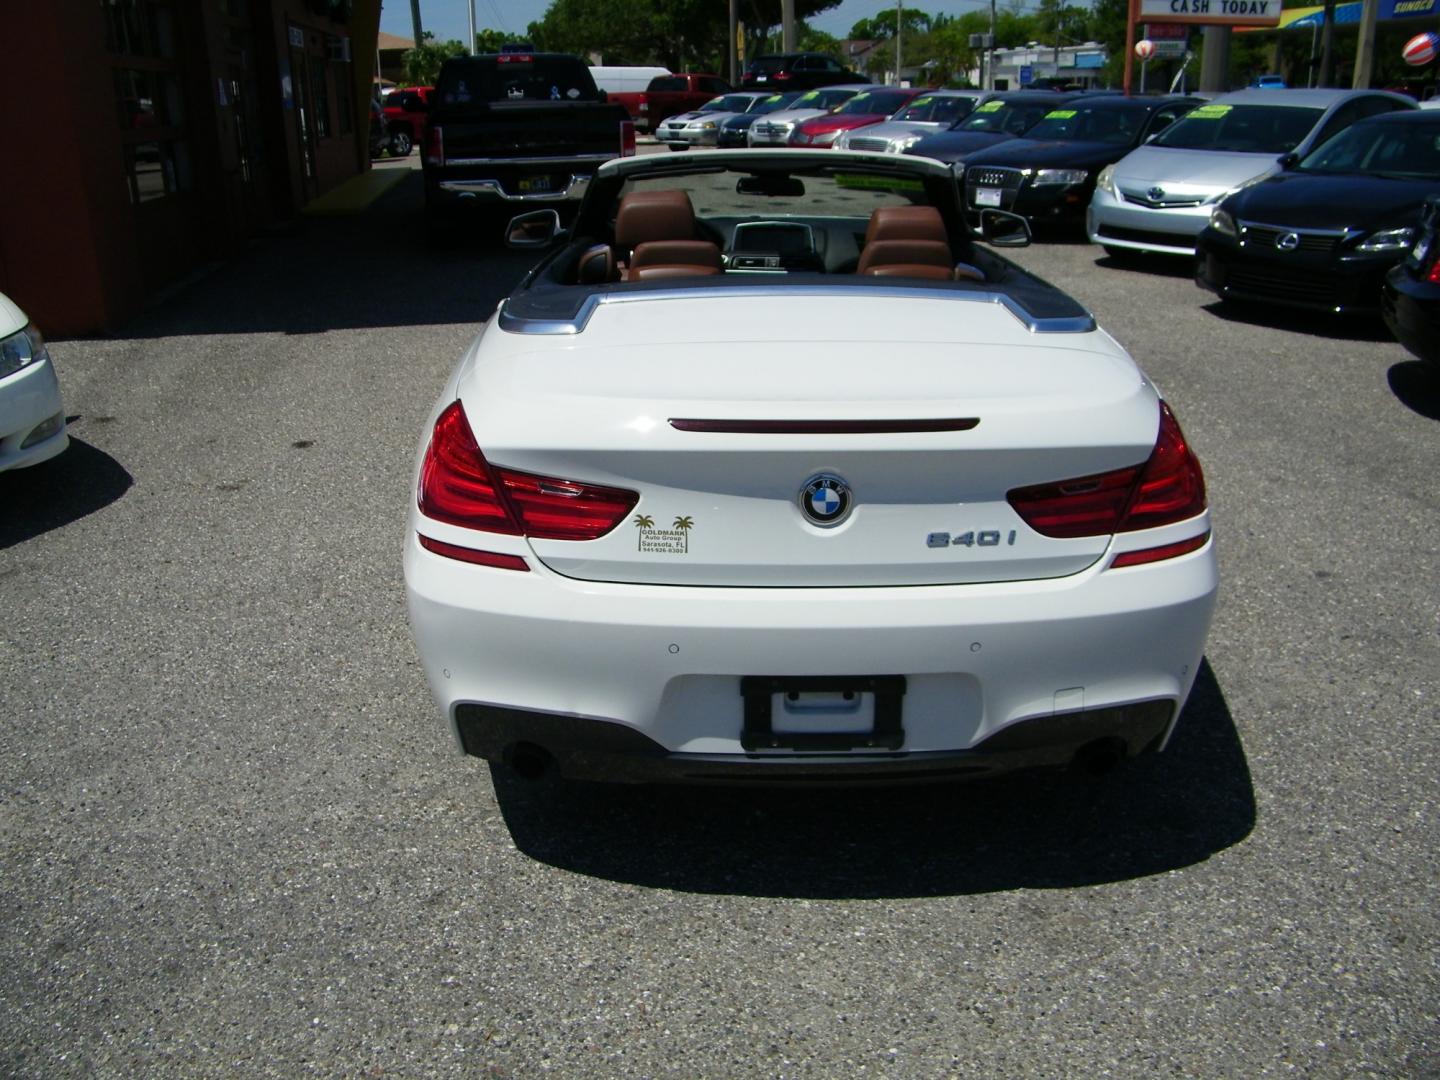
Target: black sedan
{"type": "Point", "coordinates": [1048, 174]}
{"type": "Point", "coordinates": [1411, 298]}
{"type": "Point", "coordinates": [1323, 233]}
{"type": "Point", "coordinates": [1004, 116]}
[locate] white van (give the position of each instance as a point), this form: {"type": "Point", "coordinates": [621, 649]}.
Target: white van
{"type": "Point", "coordinates": [625, 80]}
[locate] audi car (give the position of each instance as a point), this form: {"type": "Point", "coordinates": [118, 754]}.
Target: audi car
{"type": "Point", "coordinates": [1049, 173]}
{"type": "Point", "coordinates": [1324, 233]}
{"type": "Point", "coordinates": [769, 473]}
{"type": "Point", "coordinates": [1158, 197]}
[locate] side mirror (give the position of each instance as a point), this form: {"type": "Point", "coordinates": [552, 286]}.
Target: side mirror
{"type": "Point", "coordinates": [537, 229]}
{"type": "Point", "coordinates": [1004, 229]}
{"type": "Point", "coordinates": [1288, 161]}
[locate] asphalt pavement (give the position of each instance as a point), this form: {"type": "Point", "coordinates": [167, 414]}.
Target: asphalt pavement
{"type": "Point", "coordinates": [235, 838]}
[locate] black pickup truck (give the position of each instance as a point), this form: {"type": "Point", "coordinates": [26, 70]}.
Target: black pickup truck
{"type": "Point", "coordinates": [511, 132]}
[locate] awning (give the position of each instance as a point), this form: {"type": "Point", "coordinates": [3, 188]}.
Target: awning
{"type": "Point", "coordinates": [1348, 14]}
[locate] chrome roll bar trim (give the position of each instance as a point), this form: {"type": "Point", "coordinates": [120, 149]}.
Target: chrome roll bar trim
{"type": "Point", "coordinates": [515, 324]}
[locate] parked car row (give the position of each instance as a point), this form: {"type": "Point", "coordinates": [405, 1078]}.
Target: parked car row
{"type": "Point", "coordinates": [1306, 198]}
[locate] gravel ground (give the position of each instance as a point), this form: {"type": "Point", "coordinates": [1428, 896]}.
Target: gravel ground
{"type": "Point", "coordinates": [234, 838]}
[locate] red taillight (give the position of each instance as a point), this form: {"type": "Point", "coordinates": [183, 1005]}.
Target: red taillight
{"type": "Point", "coordinates": [627, 138]}
{"type": "Point", "coordinates": [435, 147]}
{"type": "Point", "coordinates": [780, 76]}
{"type": "Point", "coordinates": [1164, 551]}
{"type": "Point", "coordinates": [1169, 487]}
{"type": "Point", "coordinates": [498, 559]}
{"type": "Point", "coordinates": [1434, 275]}
{"type": "Point", "coordinates": [459, 487]}
{"type": "Point", "coordinates": [514, 58]}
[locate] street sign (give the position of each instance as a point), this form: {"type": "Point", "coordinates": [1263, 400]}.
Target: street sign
{"type": "Point", "coordinates": [1027, 74]}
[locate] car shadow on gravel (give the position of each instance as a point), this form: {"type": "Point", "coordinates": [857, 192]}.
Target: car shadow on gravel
{"type": "Point", "coordinates": [1025, 832]}
{"type": "Point", "coordinates": [1417, 386]}
{"type": "Point", "coordinates": [54, 493]}
{"type": "Point", "coordinates": [1172, 266]}
{"type": "Point", "coordinates": [1310, 323]}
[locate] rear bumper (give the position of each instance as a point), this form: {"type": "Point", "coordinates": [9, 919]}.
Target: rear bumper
{"type": "Point", "coordinates": [584, 749]}
{"type": "Point", "coordinates": [630, 682]}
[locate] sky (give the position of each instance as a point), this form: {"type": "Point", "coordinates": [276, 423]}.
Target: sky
{"type": "Point", "coordinates": [448, 19]}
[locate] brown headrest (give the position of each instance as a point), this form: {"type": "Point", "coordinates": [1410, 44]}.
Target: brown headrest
{"type": "Point", "coordinates": [653, 215]}
{"type": "Point", "coordinates": [903, 253]}
{"type": "Point", "coordinates": [920, 270]}
{"type": "Point", "coordinates": [677, 252]}
{"type": "Point", "coordinates": [905, 223]}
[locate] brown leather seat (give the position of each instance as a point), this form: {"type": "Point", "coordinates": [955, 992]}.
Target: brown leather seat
{"type": "Point", "coordinates": [910, 241]}
{"type": "Point", "coordinates": [656, 231]}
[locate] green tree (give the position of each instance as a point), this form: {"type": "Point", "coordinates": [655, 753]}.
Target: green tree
{"type": "Point", "coordinates": [489, 41]}
{"type": "Point", "coordinates": [684, 35]}
{"type": "Point", "coordinates": [422, 63]}
{"type": "Point", "coordinates": [881, 26]}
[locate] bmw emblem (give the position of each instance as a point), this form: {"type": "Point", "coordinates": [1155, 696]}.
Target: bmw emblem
{"type": "Point", "coordinates": [1155, 194]}
{"type": "Point", "coordinates": [825, 500]}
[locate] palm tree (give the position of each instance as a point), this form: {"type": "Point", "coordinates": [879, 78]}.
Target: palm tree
{"type": "Point", "coordinates": [683, 523]}
{"type": "Point", "coordinates": [644, 521]}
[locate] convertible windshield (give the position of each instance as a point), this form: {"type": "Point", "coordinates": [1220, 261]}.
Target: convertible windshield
{"type": "Point", "coordinates": [1010, 117]}
{"type": "Point", "coordinates": [729, 103]}
{"type": "Point", "coordinates": [875, 103]}
{"type": "Point", "coordinates": [846, 192]}
{"type": "Point", "coordinates": [822, 99]}
{"type": "Point", "coordinates": [1116, 125]}
{"type": "Point", "coordinates": [774, 103]}
{"type": "Point", "coordinates": [1245, 129]}
{"type": "Point", "coordinates": [1401, 151]}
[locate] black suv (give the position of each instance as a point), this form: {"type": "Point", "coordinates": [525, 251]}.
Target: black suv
{"type": "Point", "coordinates": [796, 71]}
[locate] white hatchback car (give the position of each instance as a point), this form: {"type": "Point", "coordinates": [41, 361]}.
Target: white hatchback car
{"type": "Point", "coordinates": [32, 415]}
{"type": "Point", "coordinates": [767, 473]}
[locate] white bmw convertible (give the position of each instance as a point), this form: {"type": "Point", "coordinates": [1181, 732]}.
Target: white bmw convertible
{"type": "Point", "coordinates": [768, 473]}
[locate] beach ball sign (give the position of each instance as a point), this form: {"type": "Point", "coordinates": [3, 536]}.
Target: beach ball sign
{"type": "Point", "coordinates": [1145, 49]}
{"type": "Point", "coordinates": [1418, 51]}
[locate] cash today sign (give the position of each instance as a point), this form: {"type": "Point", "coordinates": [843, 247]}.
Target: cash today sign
{"type": "Point", "coordinates": [1212, 12]}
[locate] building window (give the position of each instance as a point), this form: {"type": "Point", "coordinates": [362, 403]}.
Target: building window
{"type": "Point", "coordinates": [150, 109]}
{"type": "Point", "coordinates": [320, 95]}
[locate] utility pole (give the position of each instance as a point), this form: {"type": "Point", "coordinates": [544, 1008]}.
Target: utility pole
{"type": "Point", "coordinates": [991, 57]}
{"type": "Point", "coordinates": [899, 30]}
{"type": "Point", "coordinates": [1365, 46]}
{"type": "Point", "coordinates": [470, 5]}
{"type": "Point", "coordinates": [1327, 46]}
{"type": "Point", "coordinates": [787, 25]}
{"type": "Point", "coordinates": [734, 48]}
{"type": "Point", "coordinates": [415, 23]}
{"type": "Point", "coordinates": [1215, 64]}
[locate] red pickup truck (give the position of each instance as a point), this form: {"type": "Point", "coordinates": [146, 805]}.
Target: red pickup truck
{"type": "Point", "coordinates": [668, 95]}
{"type": "Point", "coordinates": [405, 116]}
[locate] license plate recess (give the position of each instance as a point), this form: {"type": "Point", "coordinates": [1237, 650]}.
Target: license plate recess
{"type": "Point", "coordinates": [759, 731]}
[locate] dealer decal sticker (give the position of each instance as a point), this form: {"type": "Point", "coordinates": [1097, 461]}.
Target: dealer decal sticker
{"type": "Point", "coordinates": [672, 541]}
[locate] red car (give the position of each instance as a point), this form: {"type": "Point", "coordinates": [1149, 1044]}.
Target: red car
{"type": "Point", "coordinates": [405, 116]}
{"type": "Point", "coordinates": [865, 108]}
